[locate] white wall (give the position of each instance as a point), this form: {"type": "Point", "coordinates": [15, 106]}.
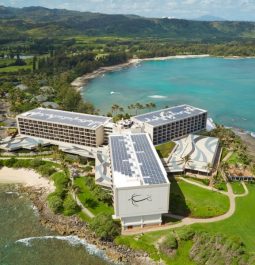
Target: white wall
{"type": "Point", "coordinates": [154, 200]}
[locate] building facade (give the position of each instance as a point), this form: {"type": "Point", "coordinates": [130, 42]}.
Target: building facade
{"type": "Point", "coordinates": [140, 185]}
{"type": "Point", "coordinates": [172, 123]}
{"type": "Point", "coordinates": [63, 126]}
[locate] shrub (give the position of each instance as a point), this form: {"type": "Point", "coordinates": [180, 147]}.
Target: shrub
{"type": "Point", "coordinates": [55, 202]}
{"type": "Point", "coordinates": [46, 170]}
{"type": "Point", "coordinates": [88, 168]}
{"type": "Point", "coordinates": [105, 227]}
{"type": "Point", "coordinates": [60, 180]}
{"type": "Point", "coordinates": [35, 163]}
{"type": "Point", "coordinates": [186, 234]}
{"type": "Point", "coordinates": [10, 162]}
{"type": "Point", "coordinates": [70, 206]}
{"type": "Point", "coordinates": [170, 242]}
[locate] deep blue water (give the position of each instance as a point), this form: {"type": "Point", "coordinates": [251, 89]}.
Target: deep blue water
{"type": "Point", "coordinates": [225, 87]}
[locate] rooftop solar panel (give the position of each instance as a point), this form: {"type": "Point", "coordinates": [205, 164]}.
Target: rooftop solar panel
{"type": "Point", "coordinates": [144, 159]}
{"type": "Point", "coordinates": [66, 117]}
{"type": "Point", "coordinates": [165, 116]}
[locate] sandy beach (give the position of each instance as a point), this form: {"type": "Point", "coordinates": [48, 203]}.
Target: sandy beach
{"type": "Point", "coordinates": [26, 177]}
{"type": "Point", "coordinates": [81, 81]}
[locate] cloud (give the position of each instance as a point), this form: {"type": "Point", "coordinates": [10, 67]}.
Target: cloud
{"type": "Point", "coordinates": [230, 9]}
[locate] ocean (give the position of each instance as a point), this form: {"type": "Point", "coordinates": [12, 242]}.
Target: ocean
{"type": "Point", "coordinates": [223, 86]}
{"type": "Point", "coordinates": [24, 241]}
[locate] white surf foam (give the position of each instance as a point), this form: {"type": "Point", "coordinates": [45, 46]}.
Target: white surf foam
{"type": "Point", "coordinates": [72, 240]}
{"type": "Point", "coordinates": [157, 96]}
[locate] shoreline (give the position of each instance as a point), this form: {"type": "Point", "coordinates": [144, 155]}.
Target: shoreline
{"type": "Point", "coordinates": [37, 189]}
{"type": "Point", "coordinates": [26, 177]}
{"type": "Point", "coordinates": [80, 82]}
{"type": "Point", "coordinates": [83, 80]}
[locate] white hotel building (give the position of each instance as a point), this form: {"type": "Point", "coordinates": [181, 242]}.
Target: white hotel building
{"type": "Point", "coordinates": [172, 123]}
{"type": "Point", "coordinates": [129, 164]}
{"type": "Point", "coordinates": [140, 185]}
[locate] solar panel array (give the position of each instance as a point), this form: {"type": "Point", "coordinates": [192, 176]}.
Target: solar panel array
{"type": "Point", "coordinates": [120, 156]}
{"type": "Point", "coordinates": [150, 168]}
{"type": "Point", "coordinates": [160, 117]}
{"type": "Point", "coordinates": [137, 145]}
{"type": "Point", "coordinates": [66, 117]}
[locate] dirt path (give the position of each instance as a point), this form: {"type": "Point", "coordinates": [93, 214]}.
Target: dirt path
{"type": "Point", "coordinates": [189, 221]}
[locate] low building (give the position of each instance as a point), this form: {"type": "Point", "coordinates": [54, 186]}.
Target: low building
{"type": "Point", "coordinates": [63, 127]}
{"type": "Point", "coordinates": [194, 153]}
{"type": "Point", "coordinates": [140, 185]}
{"type": "Point", "coordinates": [172, 123]}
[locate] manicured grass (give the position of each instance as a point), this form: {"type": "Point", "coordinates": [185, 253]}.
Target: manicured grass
{"type": "Point", "coordinates": [15, 68]}
{"type": "Point", "coordinates": [88, 199]}
{"type": "Point", "coordinates": [165, 149]}
{"type": "Point", "coordinates": [237, 187]}
{"type": "Point", "coordinates": [240, 224]}
{"type": "Point", "coordinates": [189, 200]}
{"type": "Point", "coordinates": [198, 180]}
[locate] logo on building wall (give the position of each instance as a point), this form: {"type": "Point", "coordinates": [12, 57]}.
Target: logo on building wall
{"type": "Point", "coordinates": [136, 199]}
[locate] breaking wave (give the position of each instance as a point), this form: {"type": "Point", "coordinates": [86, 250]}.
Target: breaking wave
{"type": "Point", "coordinates": [157, 96]}
{"type": "Point", "coordinates": [72, 240]}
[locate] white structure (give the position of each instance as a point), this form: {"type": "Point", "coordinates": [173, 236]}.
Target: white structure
{"type": "Point", "coordinates": [201, 152]}
{"type": "Point", "coordinates": [63, 127]}
{"type": "Point", "coordinates": [140, 185]}
{"type": "Point", "coordinates": [172, 123]}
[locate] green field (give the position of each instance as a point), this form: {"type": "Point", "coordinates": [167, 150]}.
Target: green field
{"type": "Point", "coordinates": [241, 224]}
{"type": "Point", "coordinates": [165, 149]}
{"type": "Point", "coordinates": [237, 187]}
{"type": "Point", "coordinates": [189, 200]}
{"type": "Point", "coordinates": [89, 200]}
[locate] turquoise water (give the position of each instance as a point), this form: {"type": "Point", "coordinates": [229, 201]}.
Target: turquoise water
{"type": "Point", "coordinates": [24, 241]}
{"type": "Point", "coordinates": [225, 87]}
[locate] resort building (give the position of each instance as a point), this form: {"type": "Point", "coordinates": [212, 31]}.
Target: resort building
{"type": "Point", "coordinates": [172, 123]}
{"type": "Point", "coordinates": [63, 127]}
{"type": "Point", "coordinates": [194, 153]}
{"type": "Point", "coordinates": [140, 185]}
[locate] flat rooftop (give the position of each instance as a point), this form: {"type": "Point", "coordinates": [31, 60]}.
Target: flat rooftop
{"type": "Point", "coordinates": [135, 161]}
{"type": "Point", "coordinates": [164, 116]}
{"type": "Point", "coordinates": [201, 151]}
{"type": "Point", "coordinates": [66, 117]}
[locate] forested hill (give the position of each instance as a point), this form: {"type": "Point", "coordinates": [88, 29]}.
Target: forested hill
{"type": "Point", "coordinates": [43, 22]}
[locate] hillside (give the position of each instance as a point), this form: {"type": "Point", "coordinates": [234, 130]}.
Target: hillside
{"type": "Point", "coordinates": [20, 23]}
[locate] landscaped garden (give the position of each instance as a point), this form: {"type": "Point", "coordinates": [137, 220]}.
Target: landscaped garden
{"type": "Point", "coordinates": [88, 198]}
{"type": "Point", "coordinates": [165, 149]}
{"type": "Point", "coordinates": [190, 200]}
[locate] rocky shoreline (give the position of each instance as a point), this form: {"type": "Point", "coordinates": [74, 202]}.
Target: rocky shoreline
{"type": "Point", "coordinates": [67, 226]}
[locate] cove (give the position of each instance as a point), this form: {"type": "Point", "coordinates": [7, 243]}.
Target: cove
{"type": "Point", "coordinates": [223, 86]}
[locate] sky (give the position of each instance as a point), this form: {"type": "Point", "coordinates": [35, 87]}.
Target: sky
{"type": "Point", "coordinates": [227, 9]}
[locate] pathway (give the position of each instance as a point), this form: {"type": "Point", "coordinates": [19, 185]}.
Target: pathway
{"type": "Point", "coordinates": [188, 220]}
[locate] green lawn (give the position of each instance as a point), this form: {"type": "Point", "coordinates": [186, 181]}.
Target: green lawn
{"type": "Point", "coordinates": [165, 149]}
{"type": "Point", "coordinates": [189, 200]}
{"type": "Point", "coordinates": [237, 187]}
{"type": "Point", "coordinates": [89, 200]}
{"type": "Point", "coordinates": [15, 68]}
{"type": "Point", "coordinates": [241, 224]}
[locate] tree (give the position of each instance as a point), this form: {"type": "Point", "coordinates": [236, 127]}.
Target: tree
{"type": "Point", "coordinates": [70, 206]}
{"type": "Point", "coordinates": [186, 160]}
{"type": "Point", "coordinates": [55, 202]}
{"type": "Point", "coordinates": [105, 227]}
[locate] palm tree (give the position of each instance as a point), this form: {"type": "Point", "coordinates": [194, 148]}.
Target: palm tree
{"type": "Point", "coordinates": [209, 168]}
{"type": "Point", "coordinates": [186, 160]}
{"type": "Point", "coordinates": [152, 106]}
